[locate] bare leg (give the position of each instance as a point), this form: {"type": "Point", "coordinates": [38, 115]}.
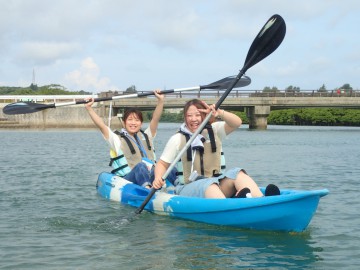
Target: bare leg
{"type": "Point", "coordinates": [243, 181]}
{"type": "Point", "coordinates": [227, 187]}
{"type": "Point", "coordinates": [213, 191]}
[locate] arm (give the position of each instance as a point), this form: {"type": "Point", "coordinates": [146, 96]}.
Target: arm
{"type": "Point", "coordinates": [232, 121]}
{"type": "Point", "coordinates": [167, 157]}
{"type": "Point", "coordinates": [96, 119]}
{"type": "Point", "coordinates": [160, 169]}
{"type": "Point", "coordinates": [157, 113]}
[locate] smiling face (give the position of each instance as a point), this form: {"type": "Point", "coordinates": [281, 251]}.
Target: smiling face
{"type": "Point", "coordinates": [132, 120]}
{"type": "Point", "coordinates": [132, 124]}
{"type": "Point", "coordinates": [193, 118]}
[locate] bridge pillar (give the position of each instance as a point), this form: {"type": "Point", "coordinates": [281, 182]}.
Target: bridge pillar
{"type": "Point", "coordinates": [258, 116]}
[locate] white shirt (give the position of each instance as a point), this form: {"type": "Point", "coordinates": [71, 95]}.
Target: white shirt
{"type": "Point", "coordinates": [115, 142]}
{"type": "Point", "coordinates": [172, 147]}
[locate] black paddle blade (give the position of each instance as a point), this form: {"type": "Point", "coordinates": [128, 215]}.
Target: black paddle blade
{"type": "Point", "coordinates": [225, 82]}
{"type": "Point", "coordinates": [25, 107]}
{"type": "Point", "coordinates": [266, 42]}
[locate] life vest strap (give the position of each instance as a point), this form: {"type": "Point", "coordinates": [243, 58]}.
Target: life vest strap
{"type": "Point", "coordinates": [127, 140]}
{"type": "Point", "coordinates": [118, 169]}
{"type": "Point", "coordinates": [114, 159]}
{"type": "Point", "coordinates": [122, 135]}
{"type": "Point", "coordinates": [188, 151]}
{"type": "Point", "coordinates": [211, 137]}
{"type": "Point", "coordinates": [146, 139]}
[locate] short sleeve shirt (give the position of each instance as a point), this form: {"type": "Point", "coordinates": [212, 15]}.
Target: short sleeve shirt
{"type": "Point", "coordinates": [172, 147]}
{"type": "Point", "coordinates": [115, 143]}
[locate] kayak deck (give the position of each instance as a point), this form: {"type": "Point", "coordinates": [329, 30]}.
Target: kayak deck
{"type": "Point", "coordinates": [292, 210]}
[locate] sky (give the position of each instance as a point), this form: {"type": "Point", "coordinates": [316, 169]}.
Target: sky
{"type": "Point", "coordinates": [102, 45]}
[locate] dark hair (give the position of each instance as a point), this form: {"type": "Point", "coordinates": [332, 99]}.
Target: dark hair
{"type": "Point", "coordinates": [129, 111]}
{"type": "Point", "coordinates": [197, 103]}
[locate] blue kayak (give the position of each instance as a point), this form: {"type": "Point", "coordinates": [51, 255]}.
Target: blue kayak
{"type": "Point", "coordinates": [291, 211]}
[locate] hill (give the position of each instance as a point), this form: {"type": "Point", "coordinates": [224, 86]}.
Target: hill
{"type": "Point", "coordinates": [52, 89]}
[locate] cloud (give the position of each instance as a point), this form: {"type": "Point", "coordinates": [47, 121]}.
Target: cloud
{"type": "Point", "coordinates": [87, 77]}
{"type": "Point", "coordinates": [45, 53]}
{"type": "Point", "coordinates": [184, 31]}
{"type": "Point", "coordinates": [155, 44]}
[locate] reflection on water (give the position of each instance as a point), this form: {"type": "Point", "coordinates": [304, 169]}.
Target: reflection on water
{"type": "Point", "coordinates": [239, 248]}
{"type": "Point", "coordinates": [52, 217]}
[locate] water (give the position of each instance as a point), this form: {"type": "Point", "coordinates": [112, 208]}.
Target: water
{"type": "Point", "coordinates": [51, 217]}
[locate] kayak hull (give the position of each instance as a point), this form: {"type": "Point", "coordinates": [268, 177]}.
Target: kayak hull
{"type": "Point", "coordinates": [291, 211]}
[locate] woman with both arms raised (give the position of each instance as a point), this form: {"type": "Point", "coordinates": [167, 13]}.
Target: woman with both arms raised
{"type": "Point", "coordinates": [199, 169]}
{"type": "Point", "coordinates": [132, 150]}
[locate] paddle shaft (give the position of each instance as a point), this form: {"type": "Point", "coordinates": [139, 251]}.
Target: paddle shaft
{"type": "Point", "coordinates": [189, 142]}
{"type": "Point", "coordinates": [220, 84]}
{"type": "Point", "coordinates": [127, 96]}
{"type": "Point", "coordinates": [203, 124]}
{"type": "Point", "coordinates": [266, 42]}
{"type": "Point", "coordinates": [29, 107]}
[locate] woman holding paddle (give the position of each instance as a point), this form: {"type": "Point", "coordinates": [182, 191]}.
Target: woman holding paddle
{"type": "Point", "coordinates": [199, 169]}
{"type": "Point", "coordinates": [132, 151]}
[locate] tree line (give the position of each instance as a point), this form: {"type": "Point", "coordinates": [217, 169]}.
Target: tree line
{"type": "Point", "coordinates": [304, 116]}
{"type": "Point", "coordinates": [33, 89]}
{"type": "Point", "coordinates": [344, 88]}
{"type": "Point", "coordinates": [300, 117]}
{"type": "Point", "coordinates": [57, 89]}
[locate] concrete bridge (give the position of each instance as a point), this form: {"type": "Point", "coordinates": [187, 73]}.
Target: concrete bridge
{"type": "Point", "coordinates": [257, 105]}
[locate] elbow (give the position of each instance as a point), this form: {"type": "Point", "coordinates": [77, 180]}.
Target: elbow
{"type": "Point", "coordinates": [239, 123]}
{"type": "Point", "coordinates": [236, 124]}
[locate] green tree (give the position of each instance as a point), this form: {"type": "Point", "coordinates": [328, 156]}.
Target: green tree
{"type": "Point", "coordinates": [267, 89]}
{"type": "Point", "coordinates": [346, 87]}
{"type": "Point", "coordinates": [322, 88]}
{"type": "Point", "coordinates": [131, 90]}
{"type": "Point", "coordinates": [292, 88]}
{"type": "Point", "coordinates": [316, 117]}
{"type": "Point", "coordinates": [349, 117]}
{"type": "Point", "coordinates": [282, 117]}
{"type": "Point", "coordinates": [243, 117]}
{"type": "Point", "coordinates": [34, 87]}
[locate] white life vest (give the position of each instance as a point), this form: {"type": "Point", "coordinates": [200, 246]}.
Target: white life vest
{"type": "Point", "coordinates": [133, 150]}
{"type": "Point", "coordinates": [211, 155]}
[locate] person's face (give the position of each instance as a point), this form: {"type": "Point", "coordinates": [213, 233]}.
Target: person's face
{"type": "Point", "coordinates": [132, 124]}
{"type": "Point", "coordinates": [193, 118]}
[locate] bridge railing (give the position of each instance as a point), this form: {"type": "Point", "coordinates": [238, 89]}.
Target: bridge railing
{"type": "Point", "coordinates": [42, 98]}
{"type": "Point", "coordinates": [308, 93]}
{"type": "Point", "coordinates": [186, 94]}
{"type": "Point", "coordinates": [255, 93]}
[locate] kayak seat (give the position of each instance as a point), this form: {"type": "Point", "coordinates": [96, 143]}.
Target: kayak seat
{"type": "Point", "coordinates": [136, 190]}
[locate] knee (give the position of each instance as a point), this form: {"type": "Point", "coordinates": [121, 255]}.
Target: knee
{"type": "Point", "coordinates": [141, 166]}
{"type": "Point", "coordinates": [242, 173]}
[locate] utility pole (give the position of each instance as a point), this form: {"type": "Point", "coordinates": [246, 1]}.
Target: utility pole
{"type": "Point", "coordinates": [33, 85]}
{"type": "Point", "coordinates": [33, 77]}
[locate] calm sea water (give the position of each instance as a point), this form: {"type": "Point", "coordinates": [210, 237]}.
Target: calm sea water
{"type": "Point", "coordinates": [52, 218]}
